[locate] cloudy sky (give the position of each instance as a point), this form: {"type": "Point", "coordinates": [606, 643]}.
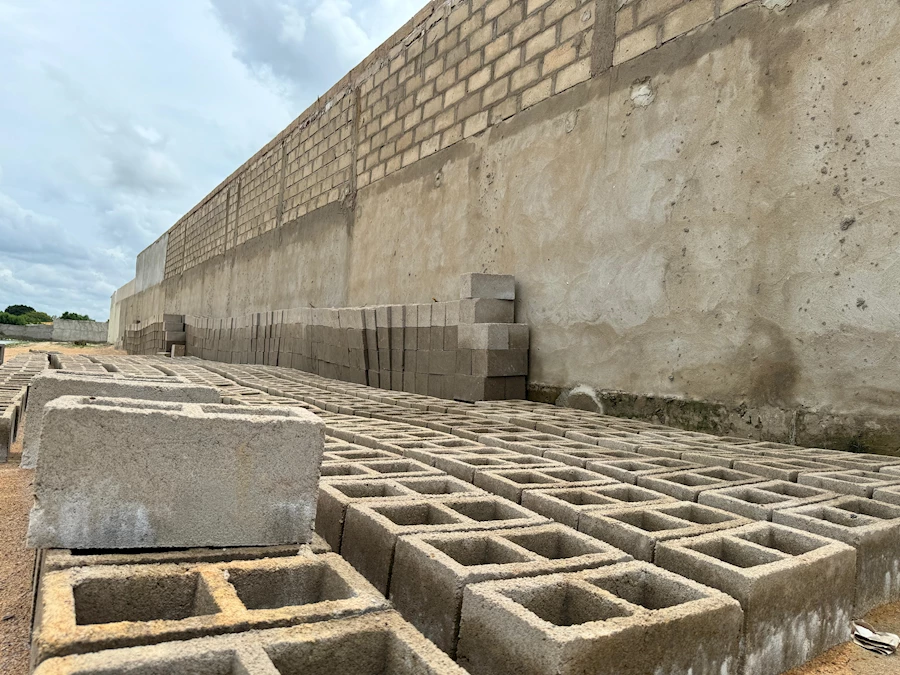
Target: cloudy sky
{"type": "Point", "coordinates": [117, 116]}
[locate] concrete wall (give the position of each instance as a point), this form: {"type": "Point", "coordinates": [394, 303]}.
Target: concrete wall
{"type": "Point", "coordinates": [116, 329]}
{"type": "Point", "coordinates": [704, 230]}
{"type": "Point", "coordinates": [59, 331]}
{"type": "Point", "coordinates": [150, 267]}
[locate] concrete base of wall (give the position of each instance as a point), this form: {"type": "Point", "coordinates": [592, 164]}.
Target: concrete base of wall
{"type": "Point", "coordinates": [796, 426]}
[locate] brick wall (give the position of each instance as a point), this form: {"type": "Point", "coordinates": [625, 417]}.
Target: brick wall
{"type": "Point", "coordinates": [455, 69]}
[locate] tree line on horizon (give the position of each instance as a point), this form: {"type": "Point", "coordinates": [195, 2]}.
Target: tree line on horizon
{"type": "Point", "coordinates": [22, 315]}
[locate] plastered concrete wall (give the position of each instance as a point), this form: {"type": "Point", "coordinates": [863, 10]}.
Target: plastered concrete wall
{"type": "Point", "coordinates": [116, 329]}
{"type": "Point", "coordinates": [150, 267]}
{"type": "Point", "coordinates": [712, 218]}
{"type": "Point", "coordinates": [60, 330]}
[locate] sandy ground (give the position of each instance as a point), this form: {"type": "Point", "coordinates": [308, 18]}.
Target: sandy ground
{"type": "Point", "coordinates": [16, 563]}
{"type": "Point", "coordinates": [62, 347]}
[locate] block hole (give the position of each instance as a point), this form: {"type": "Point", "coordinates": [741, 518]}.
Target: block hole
{"type": "Point", "coordinates": [417, 514]}
{"type": "Point", "coordinates": [737, 553]}
{"type": "Point", "coordinates": [557, 544]}
{"type": "Point", "coordinates": [483, 550]}
{"type": "Point", "coordinates": [288, 587]}
{"type": "Point", "coordinates": [142, 598]}
{"type": "Point", "coordinates": [569, 604]}
{"type": "Point", "coordinates": [647, 589]}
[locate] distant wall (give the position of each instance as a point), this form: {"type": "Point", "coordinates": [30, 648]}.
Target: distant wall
{"type": "Point", "coordinates": [698, 202]}
{"type": "Point", "coordinates": [115, 332]}
{"type": "Point", "coordinates": [60, 331]}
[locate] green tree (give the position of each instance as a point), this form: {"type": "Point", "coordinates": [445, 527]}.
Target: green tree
{"type": "Point", "coordinates": [72, 316]}
{"type": "Point", "coordinates": [11, 319]}
{"type": "Point", "coordinates": [19, 310]}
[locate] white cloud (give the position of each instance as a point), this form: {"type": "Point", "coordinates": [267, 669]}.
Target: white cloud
{"type": "Point", "coordinates": [121, 116]}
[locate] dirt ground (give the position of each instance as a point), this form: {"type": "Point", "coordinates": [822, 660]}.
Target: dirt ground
{"type": "Point", "coordinates": [16, 563]}
{"type": "Point", "coordinates": [62, 347]}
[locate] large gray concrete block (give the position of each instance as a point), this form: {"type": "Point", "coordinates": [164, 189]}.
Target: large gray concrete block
{"type": "Point", "coordinates": [626, 619]}
{"type": "Point", "coordinates": [872, 528]}
{"type": "Point", "coordinates": [496, 286]}
{"type": "Point", "coordinates": [124, 473]}
{"type": "Point", "coordinates": [796, 589]}
{"type": "Point", "coordinates": [53, 384]}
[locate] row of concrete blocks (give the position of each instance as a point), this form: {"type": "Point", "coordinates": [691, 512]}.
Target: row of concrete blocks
{"type": "Point", "coordinates": [159, 334]}
{"type": "Point", "coordinates": [579, 498]}
{"type": "Point", "coordinates": [469, 349]}
{"type": "Point", "coordinates": [425, 551]}
{"type": "Point", "coordinates": [15, 375]}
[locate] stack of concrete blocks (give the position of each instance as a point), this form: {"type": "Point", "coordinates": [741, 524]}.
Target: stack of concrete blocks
{"type": "Point", "coordinates": [53, 384]}
{"type": "Point", "coordinates": [470, 349]}
{"type": "Point", "coordinates": [125, 473]}
{"type": "Point", "coordinates": [15, 375]}
{"type": "Point", "coordinates": [159, 334]}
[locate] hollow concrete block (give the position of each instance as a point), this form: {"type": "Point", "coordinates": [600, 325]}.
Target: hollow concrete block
{"type": "Point", "coordinates": [431, 571]}
{"type": "Point", "coordinates": [626, 619]}
{"type": "Point", "coordinates": [88, 609]}
{"type": "Point", "coordinates": [853, 482]}
{"type": "Point", "coordinates": [637, 530]}
{"type": "Point", "coordinates": [336, 496]}
{"type": "Point", "coordinates": [371, 530]}
{"type": "Point", "coordinates": [565, 505]}
{"type": "Point", "coordinates": [687, 485]}
{"type": "Point", "coordinates": [872, 528]}
{"type": "Point", "coordinates": [759, 500]}
{"type": "Point", "coordinates": [372, 644]}
{"type": "Point", "coordinates": [511, 483]}
{"type": "Point", "coordinates": [51, 385]}
{"type": "Point", "coordinates": [796, 589]}
{"type": "Point", "coordinates": [123, 473]}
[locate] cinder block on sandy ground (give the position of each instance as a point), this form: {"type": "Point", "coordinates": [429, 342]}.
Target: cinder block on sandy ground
{"type": "Point", "coordinates": [431, 571]}
{"type": "Point", "coordinates": [9, 424]}
{"type": "Point", "coordinates": [850, 481]}
{"type": "Point", "coordinates": [627, 619]}
{"type": "Point", "coordinates": [51, 385]}
{"type": "Point", "coordinates": [336, 496]}
{"type": "Point", "coordinates": [796, 589]}
{"type": "Point", "coordinates": [565, 505]}
{"type": "Point", "coordinates": [372, 644]}
{"type": "Point", "coordinates": [88, 609]}
{"type": "Point", "coordinates": [123, 473]}
{"type": "Point", "coordinates": [511, 483]}
{"type": "Point", "coordinates": [637, 530]}
{"type": "Point", "coordinates": [872, 528]}
{"type": "Point", "coordinates": [371, 530]}
{"type": "Point", "coordinates": [759, 500]}
{"type": "Point", "coordinates": [688, 485]}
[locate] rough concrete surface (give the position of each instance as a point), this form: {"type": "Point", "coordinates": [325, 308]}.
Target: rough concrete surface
{"type": "Point", "coordinates": [123, 473]}
{"type": "Point", "coordinates": [53, 384]}
{"type": "Point", "coordinates": [627, 619]}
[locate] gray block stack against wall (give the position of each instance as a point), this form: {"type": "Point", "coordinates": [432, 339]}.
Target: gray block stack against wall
{"type": "Point", "coordinates": [53, 384]}
{"type": "Point", "coordinates": [470, 349]}
{"type": "Point", "coordinates": [158, 334]}
{"type": "Point", "coordinates": [124, 473]}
